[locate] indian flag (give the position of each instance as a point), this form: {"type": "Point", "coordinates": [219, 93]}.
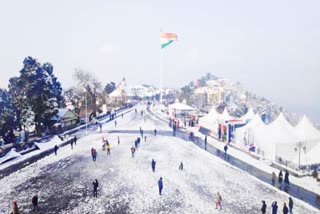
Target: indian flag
{"type": "Point", "coordinates": [167, 38]}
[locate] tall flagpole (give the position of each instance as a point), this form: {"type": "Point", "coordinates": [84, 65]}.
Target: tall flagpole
{"type": "Point", "coordinates": [161, 74]}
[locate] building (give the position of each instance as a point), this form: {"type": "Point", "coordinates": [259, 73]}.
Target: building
{"type": "Point", "coordinates": [120, 94]}
{"type": "Point", "coordinates": [63, 120]}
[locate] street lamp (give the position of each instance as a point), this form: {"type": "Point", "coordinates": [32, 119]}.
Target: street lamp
{"type": "Point", "coordinates": [300, 145]}
{"type": "Point", "coordinates": [86, 102]}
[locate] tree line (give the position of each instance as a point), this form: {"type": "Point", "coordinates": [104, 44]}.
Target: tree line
{"type": "Point", "coordinates": [35, 95]}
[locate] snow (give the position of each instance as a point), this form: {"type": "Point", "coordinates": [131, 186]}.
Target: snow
{"type": "Point", "coordinates": [10, 155]}
{"type": "Point", "coordinates": [127, 185]}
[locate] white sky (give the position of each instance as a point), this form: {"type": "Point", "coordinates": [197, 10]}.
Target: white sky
{"type": "Point", "coordinates": [271, 47]}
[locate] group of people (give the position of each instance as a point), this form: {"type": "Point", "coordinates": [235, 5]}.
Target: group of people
{"type": "Point", "coordinates": [280, 178]}
{"type": "Point", "coordinates": [34, 201]}
{"type": "Point", "coordinates": [274, 207]}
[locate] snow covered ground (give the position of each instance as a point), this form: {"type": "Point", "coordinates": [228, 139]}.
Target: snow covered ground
{"type": "Point", "coordinates": [306, 182]}
{"type": "Point", "coordinates": [128, 185]}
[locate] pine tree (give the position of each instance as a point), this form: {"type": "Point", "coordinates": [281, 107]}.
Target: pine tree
{"type": "Point", "coordinates": [36, 91]}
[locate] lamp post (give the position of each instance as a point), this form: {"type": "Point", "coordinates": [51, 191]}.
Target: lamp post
{"type": "Point", "coordinates": [86, 102]}
{"type": "Point", "coordinates": [300, 145]}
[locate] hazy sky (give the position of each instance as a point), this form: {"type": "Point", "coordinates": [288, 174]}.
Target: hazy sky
{"type": "Point", "coordinates": [271, 47]}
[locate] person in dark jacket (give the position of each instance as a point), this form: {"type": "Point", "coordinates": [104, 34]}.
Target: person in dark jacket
{"type": "Point", "coordinates": [153, 165]}
{"type": "Point", "coordinates": [274, 207]}
{"type": "Point", "coordinates": [75, 140]}
{"type": "Point", "coordinates": [264, 207]}
{"type": "Point", "coordinates": [71, 143]}
{"type": "Point", "coordinates": [181, 166]}
{"type": "Point", "coordinates": [55, 149]}
{"type": "Point", "coordinates": [225, 149]}
{"type": "Point", "coordinates": [160, 185]}
{"type": "Point", "coordinates": [273, 179]}
{"type": "Point", "coordinates": [290, 205]}
{"type": "Point", "coordinates": [205, 142]}
{"type": "Point", "coordinates": [35, 203]}
{"type": "Point", "coordinates": [95, 188]}
{"type": "Point", "coordinates": [280, 178]}
{"type": "Point", "coordinates": [155, 132]}
{"type": "Point", "coordinates": [285, 209]}
{"type": "Point", "coordinates": [286, 178]}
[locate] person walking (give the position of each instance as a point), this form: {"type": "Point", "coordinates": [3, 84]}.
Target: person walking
{"type": "Point", "coordinates": [160, 185]}
{"type": "Point", "coordinates": [56, 149]}
{"type": "Point", "coordinates": [95, 188]}
{"type": "Point", "coordinates": [75, 140]}
{"type": "Point", "coordinates": [181, 166]}
{"type": "Point", "coordinates": [274, 207]}
{"type": "Point", "coordinates": [218, 201]}
{"type": "Point", "coordinates": [108, 148]}
{"type": "Point", "coordinates": [280, 178]}
{"type": "Point", "coordinates": [290, 205]}
{"type": "Point", "coordinates": [100, 125]}
{"type": "Point", "coordinates": [225, 150]}
{"type": "Point", "coordinates": [136, 144]}
{"type": "Point", "coordinates": [155, 132]}
{"type": "Point", "coordinates": [205, 142]}
{"type": "Point", "coordinates": [286, 178]}
{"type": "Point", "coordinates": [71, 143]}
{"type": "Point", "coordinates": [92, 153]}
{"type": "Point", "coordinates": [115, 123]}
{"type": "Point", "coordinates": [35, 203]}
{"type": "Point", "coordinates": [133, 151]}
{"type": "Point", "coordinates": [285, 209]}
{"type": "Point", "coordinates": [141, 133]}
{"type": "Point", "coordinates": [153, 165]}
{"type": "Point", "coordinates": [15, 209]}
{"type": "Point", "coordinates": [274, 178]}
{"type": "Point", "coordinates": [264, 207]}
{"type": "Point", "coordinates": [145, 138]}
{"type": "Point", "coordinates": [118, 140]}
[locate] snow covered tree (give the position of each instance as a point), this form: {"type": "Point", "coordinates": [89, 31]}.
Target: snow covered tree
{"type": "Point", "coordinates": [7, 115]}
{"type": "Point", "coordinates": [92, 86]}
{"type": "Point", "coordinates": [109, 88]}
{"type": "Point", "coordinates": [36, 91]}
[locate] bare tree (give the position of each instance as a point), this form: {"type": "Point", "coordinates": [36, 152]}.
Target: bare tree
{"type": "Point", "coordinates": [92, 86]}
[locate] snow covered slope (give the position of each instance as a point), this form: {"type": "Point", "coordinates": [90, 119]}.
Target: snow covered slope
{"type": "Point", "coordinates": [128, 185]}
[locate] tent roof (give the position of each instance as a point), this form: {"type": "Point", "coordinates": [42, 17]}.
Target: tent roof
{"type": "Point", "coordinates": [181, 107]}
{"type": "Point", "coordinates": [249, 115]}
{"type": "Point", "coordinates": [306, 130]}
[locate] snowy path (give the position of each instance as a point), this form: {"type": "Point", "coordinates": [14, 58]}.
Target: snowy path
{"type": "Point", "coordinates": [127, 185]}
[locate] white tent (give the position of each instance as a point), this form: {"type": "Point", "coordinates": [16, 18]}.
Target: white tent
{"type": "Point", "coordinates": [248, 116]}
{"type": "Point", "coordinates": [309, 157]}
{"type": "Point", "coordinates": [180, 107]}
{"type": "Point", "coordinates": [209, 121]}
{"type": "Point", "coordinates": [306, 131]}
{"type": "Point", "coordinates": [252, 133]}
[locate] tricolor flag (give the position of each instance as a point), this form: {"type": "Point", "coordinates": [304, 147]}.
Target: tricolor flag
{"type": "Point", "coordinates": [167, 38]}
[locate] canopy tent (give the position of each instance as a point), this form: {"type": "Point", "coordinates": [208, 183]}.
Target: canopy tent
{"type": "Point", "coordinates": [306, 131]}
{"type": "Point", "coordinates": [181, 107]}
{"type": "Point", "coordinates": [251, 134]}
{"type": "Point", "coordinates": [10, 155]}
{"type": "Point", "coordinates": [248, 116]}
{"type": "Point", "coordinates": [309, 157]}
{"type": "Point", "coordinates": [209, 121]}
